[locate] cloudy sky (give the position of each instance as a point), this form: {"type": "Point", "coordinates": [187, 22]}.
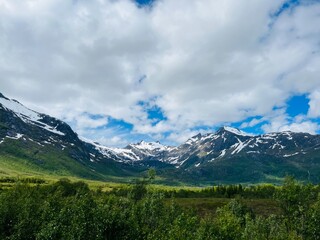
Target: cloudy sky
{"type": "Point", "coordinates": [119, 71]}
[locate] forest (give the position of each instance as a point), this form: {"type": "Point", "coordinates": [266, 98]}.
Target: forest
{"type": "Point", "coordinates": [31, 209]}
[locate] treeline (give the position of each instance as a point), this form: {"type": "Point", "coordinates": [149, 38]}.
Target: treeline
{"type": "Point", "coordinates": [263, 191]}
{"type": "Point", "coordinates": [22, 180]}
{"type": "Point", "coordinates": [66, 210]}
{"type": "Point", "coordinates": [226, 191]}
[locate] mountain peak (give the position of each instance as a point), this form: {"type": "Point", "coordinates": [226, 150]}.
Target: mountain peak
{"type": "Point", "coordinates": [198, 136]}
{"type": "Point", "coordinates": [19, 109]}
{"type": "Point", "coordinates": [2, 96]}
{"type": "Point", "coordinates": [148, 145]}
{"type": "Point", "coordinates": [235, 131]}
{"type": "Point", "coordinates": [29, 116]}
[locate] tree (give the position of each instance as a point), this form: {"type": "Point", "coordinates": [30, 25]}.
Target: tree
{"type": "Point", "coordinates": [295, 200]}
{"type": "Point", "coordinates": [138, 190]}
{"type": "Point", "coordinates": [151, 173]}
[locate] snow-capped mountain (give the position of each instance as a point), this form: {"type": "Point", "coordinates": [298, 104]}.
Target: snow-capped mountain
{"type": "Point", "coordinates": [144, 151]}
{"type": "Point", "coordinates": [19, 121]}
{"type": "Point", "coordinates": [210, 145]}
{"type": "Point", "coordinates": [228, 154]}
{"type": "Point", "coordinates": [218, 154]}
{"type": "Point", "coordinates": [39, 138]}
{"type": "Point", "coordinates": [230, 142]}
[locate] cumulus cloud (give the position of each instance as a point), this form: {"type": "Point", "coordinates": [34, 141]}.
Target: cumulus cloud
{"type": "Point", "coordinates": [203, 63]}
{"type": "Point", "coordinates": [105, 137]}
{"type": "Point", "coordinates": [87, 121]}
{"type": "Point", "coordinates": [314, 103]}
{"type": "Point", "coordinates": [283, 122]}
{"type": "Point", "coordinates": [306, 126]}
{"type": "Point", "coordinates": [252, 123]}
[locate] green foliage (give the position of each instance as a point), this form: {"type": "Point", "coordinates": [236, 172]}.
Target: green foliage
{"type": "Point", "coordinates": [231, 219]}
{"type": "Point", "coordinates": [138, 190]}
{"type": "Point", "coordinates": [313, 228]}
{"type": "Point", "coordinates": [295, 201]}
{"type": "Point", "coordinates": [152, 173]}
{"type": "Point", "coordinates": [67, 210]}
{"type": "Point", "coordinates": [224, 191]}
{"type": "Point", "coordinates": [270, 228]}
{"type": "Point", "coordinates": [61, 211]}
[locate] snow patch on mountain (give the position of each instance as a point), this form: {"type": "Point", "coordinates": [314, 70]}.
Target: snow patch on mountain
{"type": "Point", "coordinates": [290, 155]}
{"type": "Point", "coordinates": [253, 152]}
{"type": "Point", "coordinates": [17, 136]}
{"type": "Point", "coordinates": [150, 146]}
{"type": "Point", "coordinates": [194, 139]}
{"type": "Point", "coordinates": [20, 110]}
{"type": "Point", "coordinates": [223, 152]}
{"type": "Point", "coordinates": [237, 131]}
{"type": "Point", "coordinates": [27, 115]}
{"type": "Point", "coordinates": [240, 146]}
{"type": "Point", "coordinates": [210, 136]}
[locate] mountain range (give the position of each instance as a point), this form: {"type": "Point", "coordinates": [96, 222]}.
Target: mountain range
{"type": "Point", "coordinates": [35, 143]}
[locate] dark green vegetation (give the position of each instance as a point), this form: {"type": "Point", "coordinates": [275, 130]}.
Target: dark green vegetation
{"type": "Point", "coordinates": [66, 210]}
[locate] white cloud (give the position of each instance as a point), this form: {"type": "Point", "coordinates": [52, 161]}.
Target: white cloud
{"type": "Point", "coordinates": [85, 121]}
{"type": "Point", "coordinates": [283, 122]}
{"type": "Point", "coordinates": [314, 104]}
{"type": "Point", "coordinates": [308, 126]}
{"type": "Point", "coordinates": [206, 62]}
{"type": "Point", "coordinates": [179, 137]}
{"type": "Point", "coordinates": [111, 137]}
{"type": "Point", "coordinates": [252, 123]}
{"type": "Point", "coordinates": [114, 141]}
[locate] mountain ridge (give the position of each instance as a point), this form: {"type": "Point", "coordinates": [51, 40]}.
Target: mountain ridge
{"type": "Point", "coordinates": [227, 155]}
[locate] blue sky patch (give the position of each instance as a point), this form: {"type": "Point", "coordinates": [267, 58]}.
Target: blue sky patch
{"type": "Point", "coordinates": [121, 125]}
{"type": "Point", "coordinates": [297, 105]}
{"type": "Point", "coordinates": [144, 2]}
{"type": "Point", "coordinates": [290, 4]}
{"type": "Point", "coordinates": [255, 128]}
{"type": "Point", "coordinates": [155, 114]}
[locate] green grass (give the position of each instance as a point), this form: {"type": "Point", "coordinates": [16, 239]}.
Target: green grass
{"type": "Point", "coordinates": [26, 158]}
{"type": "Point", "coordinates": [49, 179]}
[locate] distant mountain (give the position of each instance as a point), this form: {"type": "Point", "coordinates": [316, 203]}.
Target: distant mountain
{"type": "Point", "coordinates": [231, 155]}
{"type": "Point", "coordinates": [39, 143]}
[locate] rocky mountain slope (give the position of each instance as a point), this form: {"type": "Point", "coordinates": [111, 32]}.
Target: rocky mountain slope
{"type": "Point", "coordinates": [39, 142]}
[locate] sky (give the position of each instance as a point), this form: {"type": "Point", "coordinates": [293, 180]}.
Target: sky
{"type": "Point", "coordinates": [119, 71]}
